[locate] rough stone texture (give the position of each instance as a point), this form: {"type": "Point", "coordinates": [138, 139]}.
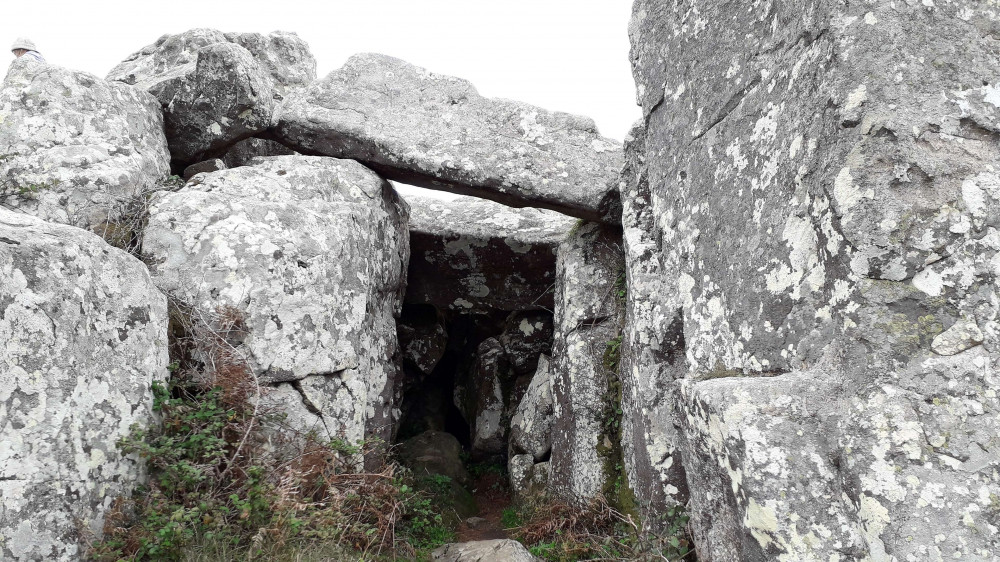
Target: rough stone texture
{"type": "Point", "coordinates": [422, 337]}
{"type": "Point", "coordinates": [822, 191]}
{"type": "Point", "coordinates": [531, 425]}
{"type": "Point", "coordinates": [217, 88]}
{"type": "Point", "coordinates": [76, 149]}
{"type": "Point", "coordinates": [84, 335]}
{"type": "Point", "coordinates": [282, 55]}
{"type": "Point", "coordinates": [213, 165]}
{"type": "Point", "coordinates": [471, 255]}
{"type": "Point", "coordinates": [311, 250]}
{"type": "Point", "coordinates": [652, 354]}
{"type": "Point", "coordinates": [221, 97]}
{"type": "Point", "coordinates": [528, 478]}
{"type": "Point", "coordinates": [526, 335]}
{"type": "Point", "coordinates": [497, 550]}
{"type": "Point", "coordinates": [482, 399]}
{"type": "Point", "coordinates": [437, 131]}
{"type": "Point", "coordinates": [588, 315]}
{"type": "Point", "coordinates": [243, 152]}
{"type": "Point", "coordinates": [434, 452]}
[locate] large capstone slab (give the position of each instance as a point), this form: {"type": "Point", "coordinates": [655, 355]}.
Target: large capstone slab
{"type": "Point", "coordinates": [312, 252]}
{"type": "Point", "coordinates": [84, 334]}
{"type": "Point", "coordinates": [74, 148]}
{"type": "Point", "coordinates": [474, 256]}
{"type": "Point", "coordinates": [821, 194]}
{"type": "Point", "coordinates": [436, 131]}
{"type": "Point", "coordinates": [217, 88]}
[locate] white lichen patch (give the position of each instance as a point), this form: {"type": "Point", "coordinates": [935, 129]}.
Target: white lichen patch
{"type": "Point", "coordinates": [84, 332]}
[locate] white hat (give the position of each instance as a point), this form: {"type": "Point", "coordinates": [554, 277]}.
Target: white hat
{"type": "Point", "coordinates": [23, 43]}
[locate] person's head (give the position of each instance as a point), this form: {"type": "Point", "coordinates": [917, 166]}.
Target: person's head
{"type": "Point", "coordinates": [21, 46]}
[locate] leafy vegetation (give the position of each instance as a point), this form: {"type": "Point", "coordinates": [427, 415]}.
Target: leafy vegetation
{"type": "Point", "coordinates": [219, 489]}
{"type": "Point", "coordinates": [559, 532]}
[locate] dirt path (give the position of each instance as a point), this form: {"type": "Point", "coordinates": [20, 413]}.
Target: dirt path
{"type": "Point", "coordinates": [492, 497]}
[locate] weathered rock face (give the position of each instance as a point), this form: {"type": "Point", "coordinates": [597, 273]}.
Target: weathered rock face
{"type": "Point", "coordinates": [497, 550]}
{"type": "Point", "coordinates": [652, 349]}
{"type": "Point", "coordinates": [311, 251]}
{"type": "Point", "coordinates": [422, 337]}
{"type": "Point", "coordinates": [531, 426]}
{"type": "Point", "coordinates": [243, 152]}
{"type": "Point", "coordinates": [76, 149]}
{"type": "Point", "coordinates": [530, 443]}
{"type": "Point", "coordinates": [526, 335]}
{"type": "Point", "coordinates": [437, 131]}
{"type": "Point", "coordinates": [476, 256]}
{"type": "Point", "coordinates": [216, 88]}
{"type": "Point", "coordinates": [283, 56]}
{"type": "Point", "coordinates": [435, 452]}
{"type": "Point", "coordinates": [827, 227]}
{"type": "Point", "coordinates": [84, 335]}
{"type": "Point", "coordinates": [588, 320]}
{"type": "Point", "coordinates": [481, 398]}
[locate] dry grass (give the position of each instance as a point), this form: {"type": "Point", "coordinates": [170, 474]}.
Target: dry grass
{"type": "Point", "coordinates": [220, 488]}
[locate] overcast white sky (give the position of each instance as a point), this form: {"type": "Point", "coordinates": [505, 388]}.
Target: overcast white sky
{"type": "Point", "coordinates": [559, 54]}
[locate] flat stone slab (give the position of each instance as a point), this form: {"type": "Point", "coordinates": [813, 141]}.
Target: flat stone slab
{"type": "Point", "coordinates": [471, 255]}
{"type": "Point", "coordinates": [437, 131]}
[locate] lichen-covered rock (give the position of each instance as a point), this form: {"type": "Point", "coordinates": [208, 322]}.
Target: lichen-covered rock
{"type": "Point", "coordinates": [471, 255]}
{"type": "Point", "coordinates": [528, 479]}
{"type": "Point", "coordinates": [215, 88]}
{"type": "Point", "coordinates": [434, 452]}
{"type": "Point", "coordinates": [243, 152]}
{"type": "Point", "coordinates": [208, 105]}
{"type": "Point", "coordinates": [765, 443]}
{"type": "Point", "coordinates": [437, 131]}
{"type": "Point", "coordinates": [652, 350]}
{"type": "Point", "coordinates": [481, 395]}
{"type": "Point", "coordinates": [206, 166]}
{"type": "Point", "coordinates": [497, 550]}
{"type": "Point", "coordinates": [76, 149]}
{"type": "Point", "coordinates": [84, 334]}
{"type": "Point", "coordinates": [422, 337]}
{"type": "Point", "coordinates": [282, 55]}
{"type": "Point", "coordinates": [526, 336]}
{"type": "Point", "coordinates": [312, 251]}
{"type": "Point", "coordinates": [829, 227]}
{"type": "Point", "coordinates": [588, 319]}
{"type": "Point", "coordinates": [531, 425]}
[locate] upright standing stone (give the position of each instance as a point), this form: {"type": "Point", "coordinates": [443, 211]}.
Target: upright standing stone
{"type": "Point", "coordinates": [312, 251]}
{"type": "Point", "coordinates": [437, 131]}
{"type": "Point", "coordinates": [84, 334]}
{"type": "Point", "coordinates": [588, 319]}
{"type": "Point", "coordinates": [820, 200]}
